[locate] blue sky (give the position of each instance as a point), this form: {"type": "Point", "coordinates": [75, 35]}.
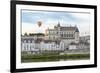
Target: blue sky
{"type": "Point", "coordinates": [51, 18]}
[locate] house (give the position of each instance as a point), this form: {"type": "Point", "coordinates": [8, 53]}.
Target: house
{"type": "Point", "coordinates": [84, 45]}
{"type": "Point", "coordinates": [28, 45]}
{"type": "Point", "coordinates": [84, 38]}
{"type": "Point", "coordinates": [49, 45]}
{"type": "Point", "coordinates": [39, 45]}
{"type": "Point", "coordinates": [80, 45]}
{"type": "Point", "coordinates": [73, 46]}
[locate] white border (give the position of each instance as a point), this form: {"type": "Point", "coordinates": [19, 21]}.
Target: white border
{"type": "Point", "coordinates": [20, 65]}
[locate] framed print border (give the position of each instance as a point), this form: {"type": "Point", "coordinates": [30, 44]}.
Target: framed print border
{"type": "Point", "coordinates": [13, 35]}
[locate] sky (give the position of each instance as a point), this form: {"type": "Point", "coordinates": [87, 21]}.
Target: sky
{"type": "Point", "coordinates": [30, 18]}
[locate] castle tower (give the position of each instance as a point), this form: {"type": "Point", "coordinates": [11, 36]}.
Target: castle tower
{"type": "Point", "coordinates": [58, 30]}
{"type": "Point", "coordinates": [76, 35]}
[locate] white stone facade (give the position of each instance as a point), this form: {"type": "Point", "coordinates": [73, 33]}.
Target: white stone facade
{"type": "Point", "coordinates": [57, 39]}
{"type": "Point", "coordinates": [67, 34]}
{"type": "Point", "coordinates": [31, 45]}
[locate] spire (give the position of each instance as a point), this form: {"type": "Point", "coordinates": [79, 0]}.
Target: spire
{"type": "Point", "coordinates": [58, 24]}
{"type": "Point", "coordinates": [77, 29]}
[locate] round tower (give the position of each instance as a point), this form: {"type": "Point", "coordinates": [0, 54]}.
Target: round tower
{"type": "Point", "coordinates": [76, 35]}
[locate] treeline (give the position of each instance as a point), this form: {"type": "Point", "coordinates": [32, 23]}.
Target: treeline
{"type": "Point", "coordinates": [33, 34]}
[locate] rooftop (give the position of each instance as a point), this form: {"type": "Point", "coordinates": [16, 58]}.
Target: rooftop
{"type": "Point", "coordinates": [65, 28]}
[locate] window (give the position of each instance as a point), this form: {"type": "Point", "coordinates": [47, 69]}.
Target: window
{"type": "Point", "coordinates": [24, 41]}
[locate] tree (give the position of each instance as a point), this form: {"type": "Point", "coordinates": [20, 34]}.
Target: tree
{"type": "Point", "coordinates": [25, 34]}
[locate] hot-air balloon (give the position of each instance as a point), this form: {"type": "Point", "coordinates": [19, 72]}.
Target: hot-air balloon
{"type": "Point", "coordinates": [39, 23]}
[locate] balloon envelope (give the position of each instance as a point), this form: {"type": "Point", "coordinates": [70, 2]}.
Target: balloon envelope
{"type": "Point", "coordinates": [39, 23]}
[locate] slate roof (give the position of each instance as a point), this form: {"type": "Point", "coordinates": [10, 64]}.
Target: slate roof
{"type": "Point", "coordinates": [50, 41]}
{"type": "Point", "coordinates": [38, 40]}
{"type": "Point", "coordinates": [69, 29]}
{"type": "Point", "coordinates": [27, 40]}
{"type": "Point", "coordinates": [85, 43]}
{"type": "Point", "coordinates": [65, 28]}
{"type": "Point", "coordinates": [73, 43]}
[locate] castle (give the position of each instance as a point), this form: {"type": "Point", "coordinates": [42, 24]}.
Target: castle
{"type": "Point", "coordinates": [60, 38]}
{"type": "Point", "coordinates": [67, 34]}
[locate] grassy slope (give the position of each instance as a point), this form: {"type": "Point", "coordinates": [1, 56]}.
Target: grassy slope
{"type": "Point", "coordinates": [52, 57]}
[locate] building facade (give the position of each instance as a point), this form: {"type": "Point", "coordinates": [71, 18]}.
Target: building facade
{"type": "Point", "coordinates": [66, 34]}
{"type": "Point", "coordinates": [29, 45]}
{"type": "Point", "coordinates": [60, 38]}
